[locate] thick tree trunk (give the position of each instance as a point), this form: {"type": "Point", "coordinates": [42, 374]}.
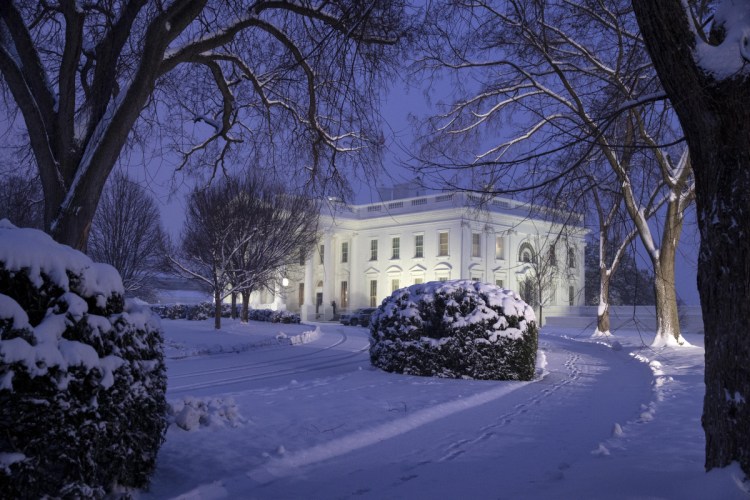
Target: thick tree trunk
{"type": "Point", "coordinates": [715, 116]}
{"type": "Point", "coordinates": [74, 231]}
{"type": "Point", "coordinates": [724, 286]}
{"type": "Point", "coordinates": [668, 331]}
{"type": "Point", "coordinates": [217, 309]}
{"type": "Point", "coordinates": [667, 315]}
{"type": "Point", "coordinates": [602, 315]}
{"type": "Point", "coordinates": [234, 305]}
{"type": "Point", "coordinates": [245, 306]}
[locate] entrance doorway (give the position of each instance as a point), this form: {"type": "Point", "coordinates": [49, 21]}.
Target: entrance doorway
{"type": "Point", "coordinates": [318, 302]}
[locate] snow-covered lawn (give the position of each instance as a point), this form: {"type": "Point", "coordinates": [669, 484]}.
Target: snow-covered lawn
{"type": "Point", "coordinates": [288, 411]}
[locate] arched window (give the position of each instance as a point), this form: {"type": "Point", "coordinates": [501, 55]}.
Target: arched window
{"type": "Point", "coordinates": [526, 253]}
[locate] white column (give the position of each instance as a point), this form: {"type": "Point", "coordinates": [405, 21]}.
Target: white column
{"type": "Point", "coordinates": [307, 309]}
{"type": "Point", "coordinates": [489, 255]}
{"type": "Point", "coordinates": [328, 278]}
{"type": "Point", "coordinates": [511, 257]}
{"type": "Point", "coordinates": [463, 272]}
{"type": "Point", "coordinates": [354, 271]}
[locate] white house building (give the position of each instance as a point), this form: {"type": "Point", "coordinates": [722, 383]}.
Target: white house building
{"type": "Point", "coordinates": [368, 251]}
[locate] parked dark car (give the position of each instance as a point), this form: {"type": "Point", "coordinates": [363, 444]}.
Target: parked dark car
{"type": "Point", "coordinates": [357, 317]}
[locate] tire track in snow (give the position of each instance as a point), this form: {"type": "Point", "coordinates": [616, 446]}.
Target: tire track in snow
{"type": "Point", "coordinates": [335, 361]}
{"type": "Point", "coordinates": [458, 448]}
{"type": "Point", "coordinates": [261, 364]}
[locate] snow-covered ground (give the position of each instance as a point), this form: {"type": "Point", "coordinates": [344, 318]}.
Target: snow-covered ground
{"type": "Point", "coordinates": [288, 411]}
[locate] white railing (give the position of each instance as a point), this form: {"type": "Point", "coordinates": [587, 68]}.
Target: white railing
{"type": "Point", "coordinates": [434, 202]}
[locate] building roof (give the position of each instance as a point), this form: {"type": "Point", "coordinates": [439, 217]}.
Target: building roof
{"type": "Point", "coordinates": [457, 200]}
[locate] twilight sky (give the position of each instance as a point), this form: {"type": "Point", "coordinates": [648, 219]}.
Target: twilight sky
{"type": "Point", "coordinates": [397, 105]}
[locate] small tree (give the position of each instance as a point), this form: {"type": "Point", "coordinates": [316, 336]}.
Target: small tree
{"type": "Point", "coordinates": [269, 237]}
{"type": "Point", "coordinates": [241, 233]}
{"type": "Point", "coordinates": [205, 253]}
{"type": "Point", "coordinates": [546, 259]}
{"type": "Point", "coordinates": [126, 233]}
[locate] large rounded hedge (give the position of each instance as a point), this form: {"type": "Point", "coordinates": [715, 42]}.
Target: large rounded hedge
{"type": "Point", "coordinates": [455, 329]}
{"type": "Point", "coordinates": [82, 375]}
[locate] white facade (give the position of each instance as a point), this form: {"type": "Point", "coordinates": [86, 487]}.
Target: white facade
{"type": "Point", "coordinates": [367, 251]}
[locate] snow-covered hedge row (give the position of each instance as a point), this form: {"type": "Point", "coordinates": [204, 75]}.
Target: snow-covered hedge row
{"type": "Point", "coordinates": [272, 316]}
{"type": "Point", "coordinates": [82, 376]}
{"type": "Point", "coordinates": [205, 310]}
{"type": "Point", "coordinates": [192, 312]}
{"type": "Point", "coordinates": [455, 329]}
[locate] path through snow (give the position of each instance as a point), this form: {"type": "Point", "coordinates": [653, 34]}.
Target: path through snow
{"type": "Point", "coordinates": [321, 423]}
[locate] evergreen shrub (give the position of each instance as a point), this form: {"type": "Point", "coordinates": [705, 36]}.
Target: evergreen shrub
{"type": "Point", "coordinates": [455, 329]}
{"type": "Point", "coordinates": [82, 376]}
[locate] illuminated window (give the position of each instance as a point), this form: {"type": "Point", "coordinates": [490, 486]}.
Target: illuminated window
{"type": "Point", "coordinates": [526, 254]}
{"type": "Point", "coordinates": [419, 246]}
{"type": "Point", "coordinates": [442, 243]}
{"type": "Point", "coordinates": [499, 247]}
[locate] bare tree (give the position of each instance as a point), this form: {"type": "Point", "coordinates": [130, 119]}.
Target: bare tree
{"type": "Point", "coordinates": [276, 226]}
{"type": "Point", "coordinates": [89, 77]}
{"type": "Point", "coordinates": [241, 233]}
{"type": "Point", "coordinates": [615, 233]}
{"type": "Point", "coordinates": [701, 57]}
{"type": "Point", "coordinates": [208, 243]}
{"type": "Point", "coordinates": [126, 233]}
{"type": "Point", "coordinates": [547, 259]}
{"type": "Point", "coordinates": [21, 200]}
{"type": "Point", "coordinates": [556, 77]}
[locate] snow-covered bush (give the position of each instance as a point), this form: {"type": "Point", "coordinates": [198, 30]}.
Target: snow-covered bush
{"type": "Point", "coordinates": [271, 316]}
{"type": "Point", "coordinates": [170, 311]}
{"type": "Point", "coordinates": [195, 312]}
{"type": "Point", "coordinates": [455, 329]}
{"type": "Point", "coordinates": [82, 376]}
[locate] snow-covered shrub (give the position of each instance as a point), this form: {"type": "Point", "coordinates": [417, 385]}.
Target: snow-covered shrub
{"type": "Point", "coordinates": [271, 316]}
{"type": "Point", "coordinates": [260, 315]}
{"type": "Point", "coordinates": [195, 312]}
{"type": "Point", "coordinates": [170, 311]}
{"type": "Point", "coordinates": [82, 376]}
{"type": "Point", "coordinates": [285, 317]}
{"type": "Point", "coordinates": [455, 329]}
